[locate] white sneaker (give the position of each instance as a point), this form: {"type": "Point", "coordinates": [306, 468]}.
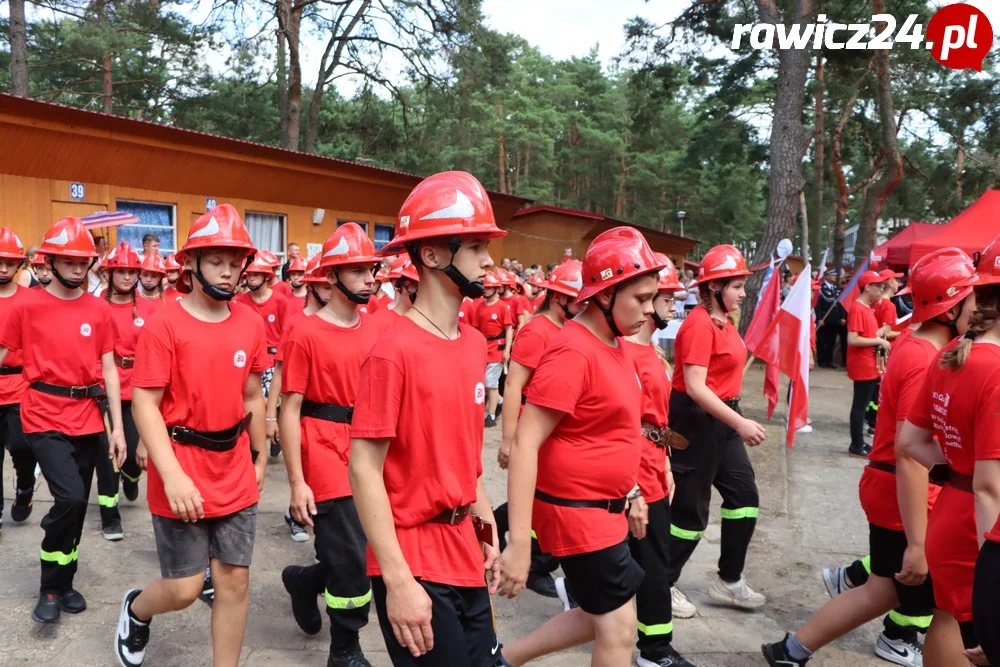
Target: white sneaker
{"type": "Point", "coordinates": [805, 429]}
{"type": "Point", "coordinates": [738, 594]}
{"type": "Point", "coordinates": [680, 605]}
{"type": "Point", "coordinates": [908, 652]}
{"type": "Point", "coordinates": [835, 579]}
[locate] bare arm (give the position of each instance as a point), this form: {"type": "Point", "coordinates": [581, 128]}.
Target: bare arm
{"type": "Point", "coordinates": [483, 508]}
{"type": "Point", "coordinates": [253, 403]}
{"type": "Point", "coordinates": [271, 411]}
{"type": "Point", "coordinates": [854, 339]}
{"type": "Point", "coordinates": [3, 353]}
{"type": "Point", "coordinates": [303, 502]}
{"type": "Point", "coordinates": [986, 488]}
{"type": "Point", "coordinates": [517, 378]}
{"type": "Point", "coordinates": [113, 389]}
{"type": "Point", "coordinates": [509, 338]}
{"type": "Point", "coordinates": [372, 500]}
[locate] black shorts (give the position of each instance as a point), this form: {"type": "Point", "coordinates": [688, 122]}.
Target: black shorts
{"type": "Point", "coordinates": [986, 600]}
{"type": "Point", "coordinates": [887, 548]}
{"type": "Point", "coordinates": [462, 621]}
{"type": "Point", "coordinates": [604, 580]}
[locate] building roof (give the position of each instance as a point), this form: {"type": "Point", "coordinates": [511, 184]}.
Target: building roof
{"type": "Point", "coordinates": [602, 222]}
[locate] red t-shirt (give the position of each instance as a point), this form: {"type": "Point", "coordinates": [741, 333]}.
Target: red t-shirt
{"type": "Point", "coordinates": [323, 363]}
{"type": "Point", "coordinates": [382, 319]}
{"type": "Point", "coordinates": [282, 288]}
{"type": "Point", "coordinates": [593, 453]}
{"type": "Point", "coordinates": [12, 387]}
{"type": "Point", "coordinates": [62, 342]}
{"type": "Point", "coordinates": [127, 329]}
{"type": "Point", "coordinates": [492, 320]}
{"type": "Point", "coordinates": [203, 368]}
{"type": "Point", "coordinates": [700, 342]}
{"type": "Point", "coordinates": [290, 323]}
{"type": "Point", "coordinates": [536, 302]}
{"type": "Point", "coordinates": [433, 416]}
{"type": "Point", "coordinates": [467, 311]}
{"type": "Point", "coordinates": [516, 307]}
{"type": "Point", "coordinates": [655, 408]}
{"type": "Point", "coordinates": [904, 376]}
{"type": "Point", "coordinates": [532, 340]}
{"type": "Point", "coordinates": [157, 302]}
{"type": "Point", "coordinates": [861, 360]}
{"type": "Point", "coordinates": [170, 294]}
{"type": "Point", "coordinates": [297, 303]}
{"type": "Point", "coordinates": [273, 312]}
{"type": "Point", "coordinates": [885, 312]}
{"type": "Point", "coordinates": [382, 298]}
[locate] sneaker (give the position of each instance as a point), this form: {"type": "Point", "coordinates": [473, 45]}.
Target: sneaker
{"type": "Point", "coordinates": [305, 610]}
{"type": "Point", "coordinates": [671, 659]}
{"type": "Point", "coordinates": [908, 651]}
{"type": "Point", "coordinates": [72, 602]}
{"type": "Point", "coordinates": [777, 655]}
{"type": "Point", "coordinates": [275, 449]}
{"type": "Point", "coordinates": [347, 656]}
{"type": "Point", "coordinates": [47, 610]}
{"type": "Point", "coordinates": [835, 579]}
{"type": "Point", "coordinates": [132, 635]}
{"type": "Point", "coordinates": [805, 429]}
{"type": "Point", "coordinates": [564, 595]}
{"type": "Point", "coordinates": [542, 584]}
{"type": "Point", "coordinates": [738, 594]}
{"type": "Point", "coordinates": [297, 530]}
{"type": "Point", "coordinates": [491, 421]}
{"type": "Point", "coordinates": [207, 594]}
{"type": "Point", "coordinates": [20, 510]}
{"type": "Point", "coordinates": [860, 452]}
{"type": "Point", "coordinates": [130, 489]}
{"type": "Point", "coordinates": [112, 531]}
{"type": "Point", "coordinates": [681, 606]}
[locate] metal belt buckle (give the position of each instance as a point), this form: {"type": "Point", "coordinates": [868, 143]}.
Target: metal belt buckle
{"type": "Point", "coordinates": [654, 435]}
{"type": "Point", "coordinates": [74, 389]}
{"type": "Point", "coordinates": [172, 432]}
{"type": "Point", "coordinates": [454, 516]}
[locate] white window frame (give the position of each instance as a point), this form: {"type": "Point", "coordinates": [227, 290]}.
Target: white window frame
{"type": "Point", "coordinates": [284, 230]}
{"type": "Point", "coordinates": [173, 216]}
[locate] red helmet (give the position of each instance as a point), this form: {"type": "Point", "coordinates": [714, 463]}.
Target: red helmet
{"type": "Point", "coordinates": [260, 265]}
{"type": "Point", "coordinates": [668, 275]}
{"type": "Point", "coordinates": [272, 260]}
{"type": "Point", "coordinates": [987, 267]}
{"type": "Point", "coordinates": [567, 278]}
{"type": "Point", "coordinates": [934, 279]}
{"type": "Point", "coordinates": [297, 264]}
{"type": "Point", "coordinates": [506, 278]}
{"type": "Point", "coordinates": [69, 238]}
{"type": "Point", "coordinates": [348, 245]}
{"type": "Point", "coordinates": [537, 280]}
{"type": "Point", "coordinates": [10, 244]}
{"type": "Point", "coordinates": [722, 261]}
{"type": "Point", "coordinates": [402, 267]}
{"type": "Point", "coordinates": [518, 282]}
{"type": "Point", "coordinates": [452, 203]}
{"type": "Point", "coordinates": [39, 259]}
{"type": "Point", "coordinates": [492, 280]}
{"type": "Point", "coordinates": [382, 275]}
{"type": "Point", "coordinates": [153, 262]}
{"type": "Point", "coordinates": [170, 263]}
{"type": "Point", "coordinates": [313, 275]}
{"type": "Point", "coordinates": [613, 257]}
{"type": "Point", "coordinates": [122, 256]}
{"type": "Point", "coordinates": [221, 227]}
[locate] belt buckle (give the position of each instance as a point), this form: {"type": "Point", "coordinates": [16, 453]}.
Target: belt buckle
{"type": "Point", "coordinates": [74, 389]}
{"type": "Point", "coordinates": [350, 414]}
{"type": "Point", "coordinates": [172, 432]}
{"type": "Point", "coordinates": [454, 516]}
{"type": "Point", "coordinates": [616, 506]}
{"type": "Point", "coordinates": [654, 435]}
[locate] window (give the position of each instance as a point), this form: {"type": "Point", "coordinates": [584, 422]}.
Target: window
{"type": "Point", "coordinates": [383, 234]}
{"type": "Point", "coordinates": [363, 225]}
{"type": "Point", "coordinates": [153, 219]}
{"type": "Point", "coordinates": [267, 230]}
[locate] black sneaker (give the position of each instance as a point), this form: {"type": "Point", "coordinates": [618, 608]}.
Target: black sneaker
{"type": "Point", "coordinates": [348, 655]}
{"type": "Point", "coordinates": [861, 452]}
{"type": "Point", "coordinates": [130, 489]}
{"type": "Point", "coordinates": [112, 530]}
{"type": "Point", "coordinates": [671, 659]}
{"type": "Point", "coordinates": [304, 606]}
{"type": "Point", "coordinates": [20, 510]}
{"type": "Point", "coordinates": [777, 655]}
{"type": "Point", "coordinates": [542, 584]}
{"type": "Point", "coordinates": [132, 635]}
{"type": "Point", "coordinates": [491, 421]}
{"type": "Point", "coordinates": [72, 602]}
{"type": "Point", "coordinates": [47, 609]}
{"type": "Point", "coordinates": [275, 449]}
{"type": "Point", "coordinates": [207, 594]}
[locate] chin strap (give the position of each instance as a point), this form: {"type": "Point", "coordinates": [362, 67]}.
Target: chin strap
{"type": "Point", "coordinates": [254, 289]}
{"type": "Point", "coordinates": [6, 281]}
{"type": "Point", "coordinates": [609, 313]}
{"type": "Point", "coordinates": [211, 290]}
{"type": "Point", "coordinates": [71, 284]}
{"type": "Point", "coordinates": [401, 285]}
{"type": "Point", "coordinates": [470, 288]}
{"type": "Point", "coordinates": [315, 295]}
{"type": "Point", "coordinates": [353, 297]}
{"type": "Point", "coordinates": [660, 323]}
{"type": "Point", "coordinates": [295, 285]}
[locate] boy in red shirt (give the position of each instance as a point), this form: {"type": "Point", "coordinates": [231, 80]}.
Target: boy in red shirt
{"type": "Point", "coordinates": [495, 321]}
{"type": "Point", "coordinates": [322, 364]}
{"type": "Point", "coordinates": [885, 309]}
{"type": "Point", "coordinates": [13, 386]}
{"type": "Point", "coordinates": [151, 273]}
{"type": "Point", "coordinates": [173, 271]}
{"type": "Point", "coordinates": [199, 407]}
{"type": "Point", "coordinates": [467, 311]}
{"type": "Point", "coordinates": [405, 282]}
{"type": "Point", "coordinates": [40, 270]}
{"type": "Point", "coordinates": [274, 281]}
{"type": "Point", "coordinates": [297, 268]}
{"type": "Point", "coordinates": [67, 339]}
{"type": "Point", "coordinates": [863, 338]}
{"type": "Point", "coordinates": [417, 441]}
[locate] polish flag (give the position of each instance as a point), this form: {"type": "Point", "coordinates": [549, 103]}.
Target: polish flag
{"type": "Point", "coordinates": [786, 344]}
{"type": "Point", "coordinates": [767, 310]}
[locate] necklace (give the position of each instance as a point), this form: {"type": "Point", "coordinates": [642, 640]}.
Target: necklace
{"type": "Point", "coordinates": [432, 322]}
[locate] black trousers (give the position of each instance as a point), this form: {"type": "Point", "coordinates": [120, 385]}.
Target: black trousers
{"type": "Point", "coordinates": [12, 439]}
{"type": "Point", "coordinates": [842, 338]}
{"type": "Point", "coordinates": [130, 470]}
{"type": "Point", "coordinates": [67, 462]}
{"type": "Point", "coordinates": [654, 612]}
{"type": "Point", "coordinates": [107, 483]}
{"type": "Point", "coordinates": [864, 392]}
{"type": "Point", "coordinates": [542, 564]}
{"type": "Point", "coordinates": [986, 601]}
{"type": "Point", "coordinates": [826, 340]}
{"type": "Point", "coordinates": [715, 456]}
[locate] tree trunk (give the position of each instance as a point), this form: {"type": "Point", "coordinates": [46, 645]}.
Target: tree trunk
{"type": "Point", "coordinates": [282, 75]}
{"type": "Point", "coordinates": [892, 163]}
{"type": "Point", "coordinates": [107, 83]}
{"type": "Point", "coordinates": [18, 50]}
{"type": "Point", "coordinates": [959, 168]}
{"type": "Point", "coordinates": [789, 143]}
{"type": "Point", "coordinates": [501, 159]}
{"type": "Point", "coordinates": [805, 226]}
{"type": "Point", "coordinates": [289, 19]}
{"type": "Point", "coordinates": [819, 166]}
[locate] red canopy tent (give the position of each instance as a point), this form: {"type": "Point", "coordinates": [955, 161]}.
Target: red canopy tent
{"type": "Point", "coordinates": [972, 230]}
{"type": "Point", "coordinates": [896, 251]}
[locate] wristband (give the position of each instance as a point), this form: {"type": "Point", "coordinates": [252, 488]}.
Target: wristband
{"type": "Point", "coordinates": [271, 420]}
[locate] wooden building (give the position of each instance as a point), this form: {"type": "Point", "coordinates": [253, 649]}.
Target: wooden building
{"type": "Point", "coordinates": [541, 234]}
{"type": "Point", "coordinates": [58, 161]}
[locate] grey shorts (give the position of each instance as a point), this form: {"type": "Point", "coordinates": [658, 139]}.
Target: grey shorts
{"type": "Point", "coordinates": [185, 549]}
{"type": "Point", "coordinates": [493, 371]}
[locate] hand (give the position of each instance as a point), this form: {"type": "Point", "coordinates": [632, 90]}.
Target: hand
{"type": "Point", "coordinates": [976, 656]}
{"type": "Point", "coordinates": [751, 432]}
{"type": "Point", "coordinates": [884, 344]}
{"type": "Point", "coordinates": [141, 455]}
{"type": "Point", "coordinates": [271, 431]}
{"type": "Point", "coordinates": [118, 450]}
{"type": "Point", "coordinates": [491, 564]}
{"type": "Point", "coordinates": [409, 610]}
{"type": "Point", "coordinates": [638, 517]}
{"type": "Point", "coordinates": [914, 569]}
{"type": "Point", "coordinates": [260, 469]}
{"type": "Point", "coordinates": [671, 486]}
{"type": "Point", "coordinates": [302, 504]}
{"type": "Point", "coordinates": [183, 496]}
{"type": "Point", "coordinates": [503, 454]}
{"type": "Point", "coordinates": [515, 561]}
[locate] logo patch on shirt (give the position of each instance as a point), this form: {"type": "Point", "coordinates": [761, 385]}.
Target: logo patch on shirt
{"type": "Point", "coordinates": [138, 321]}
{"type": "Point", "coordinates": [493, 316]}
{"type": "Point", "coordinates": [270, 318]}
{"type": "Point", "coordinates": [606, 274]}
{"type": "Point", "coordinates": [461, 314]}
{"type": "Point", "coordinates": [85, 330]}
{"type": "Point", "coordinates": [480, 393]}
{"type": "Point", "coordinates": [240, 359]}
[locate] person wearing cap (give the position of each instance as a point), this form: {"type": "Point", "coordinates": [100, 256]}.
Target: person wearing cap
{"type": "Point", "coordinates": [296, 273]}
{"type": "Point", "coordinates": [495, 321]}
{"type": "Point", "coordinates": [576, 454]}
{"type": "Point", "coordinates": [709, 356]}
{"type": "Point", "coordinates": [405, 282]}
{"type": "Point", "coordinates": [199, 407]}
{"type": "Point", "coordinates": [941, 312]}
{"type": "Point", "coordinates": [885, 309]}
{"type": "Point", "coordinates": [66, 337]}
{"type": "Point", "coordinates": [322, 364]}
{"type": "Point", "coordinates": [559, 307]}
{"type": "Point", "coordinates": [151, 274]}
{"type": "Point", "coordinates": [829, 314]}
{"type": "Point", "coordinates": [416, 467]}
{"type": "Point", "coordinates": [863, 337]}
{"type": "Point", "coordinates": [173, 269]}
{"type": "Point", "coordinates": [13, 386]}
{"type": "Point", "coordinates": [954, 422]}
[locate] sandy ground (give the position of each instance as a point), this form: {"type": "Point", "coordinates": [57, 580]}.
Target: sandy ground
{"type": "Point", "coordinates": [810, 518]}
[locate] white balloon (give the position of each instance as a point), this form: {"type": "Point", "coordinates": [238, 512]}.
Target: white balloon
{"type": "Point", "coordinates": [784, 248]}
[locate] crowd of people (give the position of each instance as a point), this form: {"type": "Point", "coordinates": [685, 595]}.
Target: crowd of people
{"type": "Point", "coordinates": [199, 369]}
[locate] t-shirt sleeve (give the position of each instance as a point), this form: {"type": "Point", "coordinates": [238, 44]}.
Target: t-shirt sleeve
{"type": "Point", "coordinates": [10, 328]}
{"type": "Point", "coordinates": [911, 382]}
{"type": "Point", "coordinates": [528, 348]}
{"type": "Point", "coordinates": [560, 379]}
{"type": "Point", "coordinates": [920, 408]}
{"type": "Point", "coordinates": [380, 392]}
{"type": "Point", "coordinates": [856, 320]}
{"type": "Point", "coordinates": [988, 423]}
{"type": "Point", "coordinates": [154, 356]}
{"type": "Point", "coordinates": [696, 344]}
{"type": "Point", "coordinates": [509, 318]}
{"type": "Point", "coordinates": [295, 367]}
{"type": "Point", "coordinates": [259, 361]}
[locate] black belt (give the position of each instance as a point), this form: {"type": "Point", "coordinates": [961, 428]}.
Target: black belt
{"type": "Point", "coordinates": [959, 481]}
{"type": "Point", "coordinates": [499, 336]}
{"type": "Point", "coordinates": [331, 412]}
{"type": "Point", "coordinates": [937, 476]}
{"type": "Point", "coordinates": [272, 350]}
{"type": "Point", "coordinates": [884, 467]}
{"type": "Point", "coordinates": [452, 517]}
{"type": "Point", "coordinates": [213, 441]}
{"type": "Point", "coordinates": [732, 402]}
{"type": "Point", "coordinates": [76, 391]}
{"type": "Point", "coordinates": [124, 362]}
{"type": "Point", "coordinates": [11, 370]}
{"type": "Point", "coordinates": [614, 506]}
